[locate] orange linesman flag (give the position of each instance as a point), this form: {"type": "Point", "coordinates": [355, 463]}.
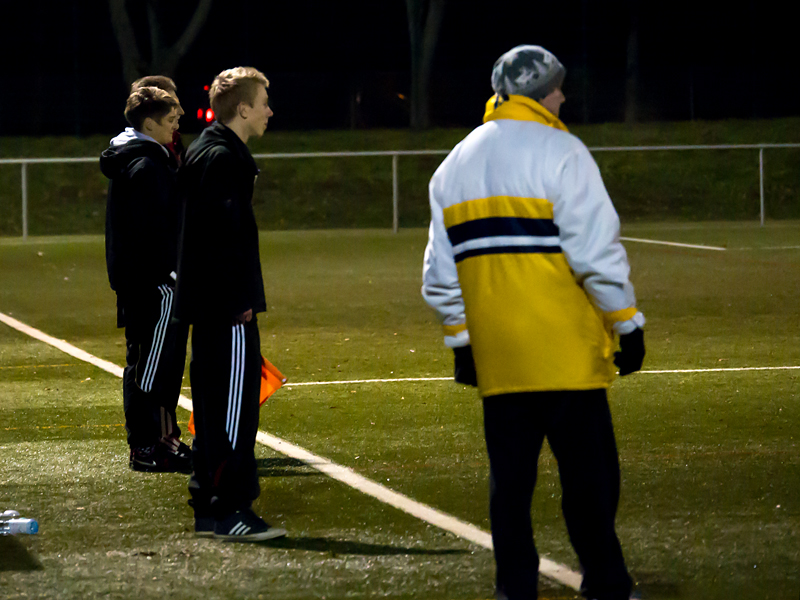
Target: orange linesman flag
{"type": "Point", "coordinates": [271, 381]}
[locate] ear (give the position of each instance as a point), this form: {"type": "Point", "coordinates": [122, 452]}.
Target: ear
{"type": "Point", "coordinates": [241, 109]}
{"type": "Point", "coordinates": [148, 124]}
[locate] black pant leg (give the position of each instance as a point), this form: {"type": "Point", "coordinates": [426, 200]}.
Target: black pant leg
{"type": "Point", "coordinates": [142, 422]}
{"type": "Point", "coordinates": [169, 377]}
{"type": "Point", "coordinates": [156, 354]}
{"type": "Point", "coordinates": [581, 436]}
{"type": "Point", "coordinates": [514, 437]}
{"type": "Point", "coordinates": [226, 380]}
{"type": "Point", "coordinates": [142, 415]}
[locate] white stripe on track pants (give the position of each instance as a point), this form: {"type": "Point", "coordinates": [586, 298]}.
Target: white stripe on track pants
{"type": "Point", "coordinates": [226, 380]}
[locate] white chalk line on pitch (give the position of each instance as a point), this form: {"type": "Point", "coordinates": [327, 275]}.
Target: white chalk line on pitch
{"type": "Point", "coordinates": [462, 529]}
{"type": "Point", "coordinates": [289, 384]}
{"type": "Point", "coordinates": [705, 247]}
{"type": "Point", "coordinates": [679, 245]}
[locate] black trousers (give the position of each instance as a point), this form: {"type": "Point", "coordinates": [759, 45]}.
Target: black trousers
{"type": "Point", "coordinates": [226, 381]}
{"type": "Point", "coordinates": [578, 427]}
{"type": "Point", "coordinates": [155, 358]}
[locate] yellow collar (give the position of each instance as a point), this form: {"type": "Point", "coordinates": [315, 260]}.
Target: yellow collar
{"type": "Point", "coordinates": [520, 108]}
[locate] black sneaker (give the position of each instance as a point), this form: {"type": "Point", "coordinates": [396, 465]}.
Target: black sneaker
{"type": "Point", "coordinates": [179, 454]}
{"type": "Point", "coordinates": [158, 459]}
{"type": "Point", "coordinates": [144, 459]}
{"type": "Point", "coordinates": [204, 527]}
{"type": "Point", "coordinates": [245, 526]}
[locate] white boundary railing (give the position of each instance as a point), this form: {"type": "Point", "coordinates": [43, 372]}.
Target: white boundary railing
{"type": "Point", "coordinates": [395, 154]}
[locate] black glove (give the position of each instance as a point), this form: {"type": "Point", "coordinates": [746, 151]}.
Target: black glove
{"type": "Point", "coordinates": [465, 366]}
{"type": "Point", "coordinates": [631, 352]}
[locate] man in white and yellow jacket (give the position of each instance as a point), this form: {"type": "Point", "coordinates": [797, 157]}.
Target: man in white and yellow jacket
{"type": "Point", "coordinates": [527, 274]}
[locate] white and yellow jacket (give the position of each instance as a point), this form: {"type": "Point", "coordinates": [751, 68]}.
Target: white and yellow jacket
{"type": "Point", "coordinates": [524, 259]}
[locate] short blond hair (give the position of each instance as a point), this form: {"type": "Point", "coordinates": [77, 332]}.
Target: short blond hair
{"type": "Point", "coordinates": [146, 102]}
{"type": "Point", "coordinates": [232, 87]}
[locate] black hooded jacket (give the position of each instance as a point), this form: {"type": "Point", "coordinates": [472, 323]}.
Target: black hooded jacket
{"type": "Point", "coordinates": [142, 217]}
{"type": "Point", "coordinates": [219, 266]}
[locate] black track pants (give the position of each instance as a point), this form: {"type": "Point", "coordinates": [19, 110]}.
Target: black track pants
{"type": "Point", "coordinates": [155, 358]}
{"type": "Point", "coordinates": [226, 381]}
{"type": "Point", "coordinates": [580, 433]}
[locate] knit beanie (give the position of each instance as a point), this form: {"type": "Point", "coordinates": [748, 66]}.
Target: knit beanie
{"type": "Point", "coordinates": [528, 71]}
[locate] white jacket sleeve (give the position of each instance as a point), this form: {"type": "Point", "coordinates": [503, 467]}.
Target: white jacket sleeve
{"type": "Point", "coordinates": [589, 234]}
{"type": "Point", "coordinates": [440, 286]}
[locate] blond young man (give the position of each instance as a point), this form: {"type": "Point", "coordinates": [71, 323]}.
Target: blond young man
{"type": "Point", "coordinates": [142, 224]}
{"type": "Point", "coordinates": [220, 292]}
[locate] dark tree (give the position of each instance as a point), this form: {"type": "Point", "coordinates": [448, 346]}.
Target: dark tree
{"type": "Point", "coordinates": [424, 22]}
{"type": "Point", "coordinates": [167, 47]}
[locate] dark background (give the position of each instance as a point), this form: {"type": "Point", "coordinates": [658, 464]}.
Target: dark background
{"type": "Point", "coordinates": [62, 70]}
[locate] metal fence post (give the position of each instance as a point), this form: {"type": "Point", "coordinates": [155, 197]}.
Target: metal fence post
{"type": "Point", "coordinates": [761, 181]}
{"type": "Point", "coordinates": [395, 195]}
{"type": "Point", "coordinates": [24, 201]}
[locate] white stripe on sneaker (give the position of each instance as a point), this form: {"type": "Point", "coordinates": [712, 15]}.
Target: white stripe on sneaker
{"type": "Point", "coordinates": [239, 529]}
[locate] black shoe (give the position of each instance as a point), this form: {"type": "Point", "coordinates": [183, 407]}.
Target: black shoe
{"type": "Point", "coordinates": [204, 526]}
{"type": "Point", "coordinates": [203, 521]}
{"type": "Point", "coordinates": [158, 459]}
{"type": "Point", "coordinates": [144, 459]}
{"type": "Point", "coordinates": [177, 454]}
{"type": "Point", "coordinates": [245, 526]}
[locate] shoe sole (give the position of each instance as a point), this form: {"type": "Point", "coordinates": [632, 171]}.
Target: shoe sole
{"type": "Point", "coordinates": [156, 469]}
{"type": "Point", "coordinates": [269, 534]}
{"type": "Point", "coordinates": [204, 534]}
{"type": "Point", "coordinates": [144, 468]}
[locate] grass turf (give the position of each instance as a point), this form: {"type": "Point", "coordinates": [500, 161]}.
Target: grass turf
{"type": "Point", "coordinates": [710, 461]}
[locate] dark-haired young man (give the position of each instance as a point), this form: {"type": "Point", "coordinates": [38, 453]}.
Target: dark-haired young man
{"type": "Point", "coordinates": [163, 82]}
{"type": "Point", "coordinates": [220, 291]}
{"type": "Point", "coordinates": [142, 223]}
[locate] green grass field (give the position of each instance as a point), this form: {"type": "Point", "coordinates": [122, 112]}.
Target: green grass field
{"type": "Point", "coordinates": [710, 460]}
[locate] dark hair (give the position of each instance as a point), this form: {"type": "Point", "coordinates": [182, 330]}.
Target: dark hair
{"type": "Point", "coordinates": [162, 82]}
{"type": "Point", "coordinates": [148, 102]}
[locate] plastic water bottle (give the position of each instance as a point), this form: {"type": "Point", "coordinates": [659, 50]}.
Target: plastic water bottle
{"type": "Point", "coordinates": [17, 526]}
{"type": "Point", "coordinates": [11, 524]}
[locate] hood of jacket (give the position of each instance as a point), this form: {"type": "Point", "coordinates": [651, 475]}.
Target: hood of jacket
{"type": "Point", "coordinates": [520, 108]}
{"type": "Point", "coordinates": [127, 147]}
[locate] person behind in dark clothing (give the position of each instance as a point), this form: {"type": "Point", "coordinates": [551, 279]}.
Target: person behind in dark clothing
{"type": "Point", "coordinates": [163, 82]}
{"type": "Point", "coordinates": [220, 291]}
{"type": "Point", "coordinates": [142, 224]}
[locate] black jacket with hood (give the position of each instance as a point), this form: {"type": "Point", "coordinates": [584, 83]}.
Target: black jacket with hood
{"type": "Point", "coordinates": [142, 215]}
{"type": "Point", "coordinates": [219, 266]}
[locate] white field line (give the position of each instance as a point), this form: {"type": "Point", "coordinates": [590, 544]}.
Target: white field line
{"type": "Point", "coordinates": [767, 248]}
{"type": "Point", "coordinates": [62, 345]}
{"type": "Point", "coordinates": [289, 384]}
{"type": "Point", "coordinates": [720, 369]}
{"type": "Point", "coordinates": [462, 529]}
{"type": "Point", "coordinates": [698, 246]}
